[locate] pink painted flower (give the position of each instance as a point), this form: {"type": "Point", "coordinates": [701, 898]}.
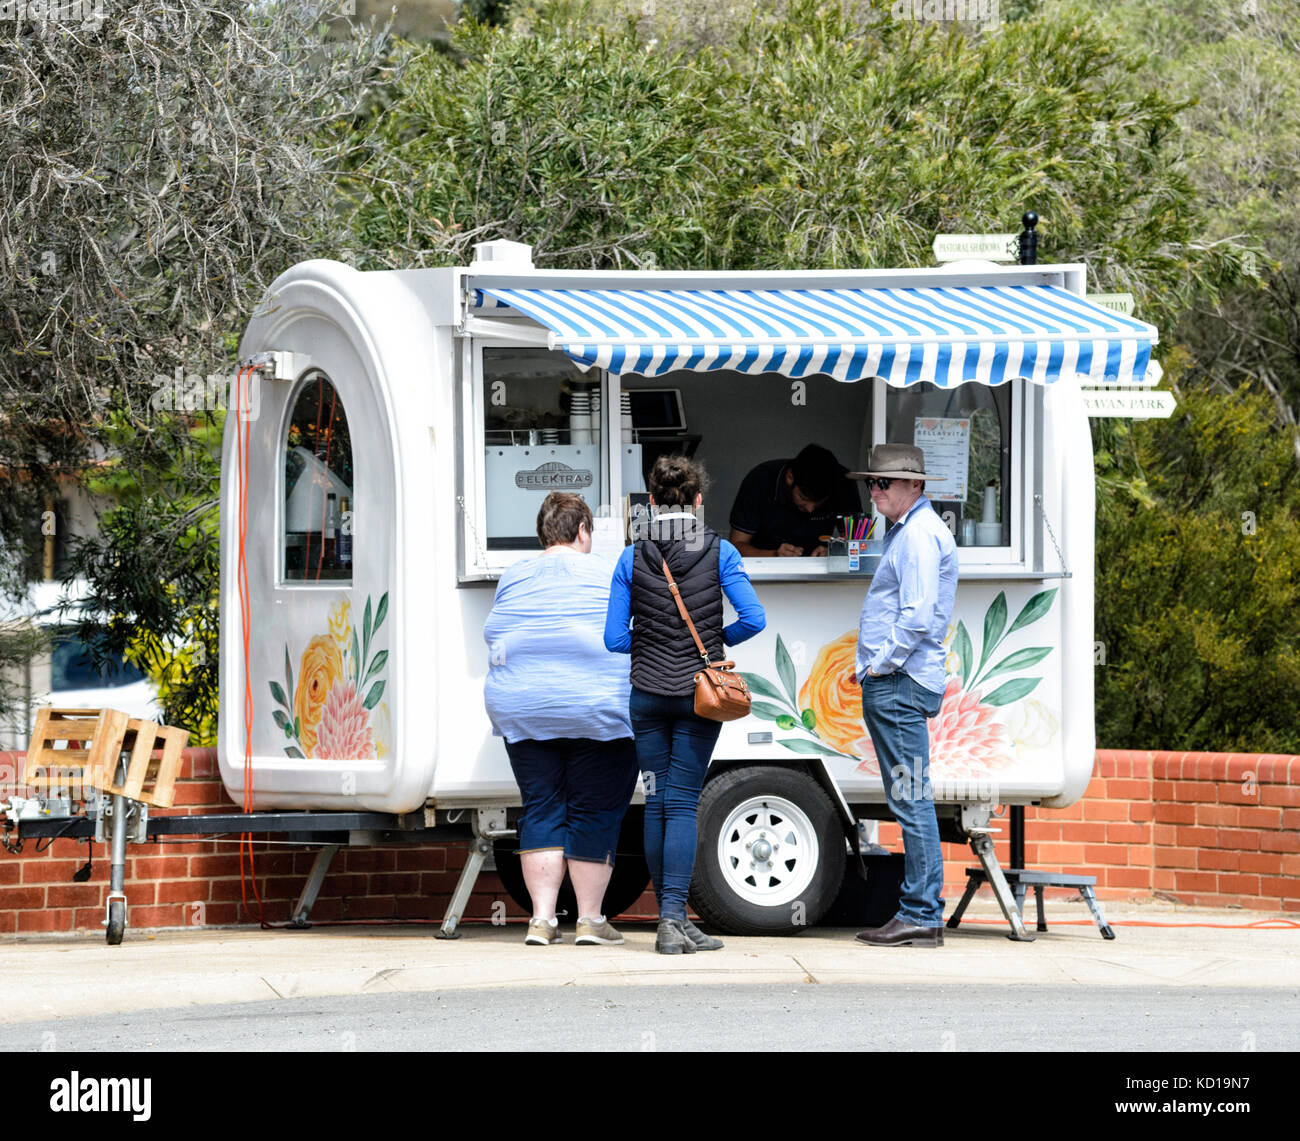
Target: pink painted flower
{"type": "Point", "coordinates": [344, 730]}
{"type": "Point", "coordinates": [965, 740]}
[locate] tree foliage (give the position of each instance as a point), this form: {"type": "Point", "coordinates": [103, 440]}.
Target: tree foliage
{"type": "Point", "coordinates": [161, 166]}
{"type": "Point", "coordinates": [1198, 582]}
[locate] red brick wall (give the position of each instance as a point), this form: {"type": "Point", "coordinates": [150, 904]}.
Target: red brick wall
{"type": "Point", "coordinates": [1204, 828]}
{"type": "Point", "coordinates": [172, 884]}
{"type": "Point", "coordinates": [1213, 829]}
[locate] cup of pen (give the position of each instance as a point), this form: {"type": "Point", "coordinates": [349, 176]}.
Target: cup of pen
{"type": "Point", "coordinates": [855, 547]}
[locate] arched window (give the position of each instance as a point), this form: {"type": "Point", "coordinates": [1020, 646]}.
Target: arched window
{"type": "Point", "coordinates": [318, 486]}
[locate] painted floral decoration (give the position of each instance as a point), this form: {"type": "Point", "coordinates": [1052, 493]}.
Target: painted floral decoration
{"type": "Point", "coordinates": [328, 715]}
{"type": "Point", "coordinates": [968, 736]}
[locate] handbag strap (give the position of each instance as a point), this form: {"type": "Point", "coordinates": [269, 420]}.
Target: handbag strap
{"type": "Point", "coordinates": [681, 606]}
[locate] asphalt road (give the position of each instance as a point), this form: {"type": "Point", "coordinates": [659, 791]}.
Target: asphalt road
{"type": "Point", "coordinates": [732, 1017]}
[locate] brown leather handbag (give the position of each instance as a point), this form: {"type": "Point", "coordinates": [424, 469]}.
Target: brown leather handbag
{"type": "Point", "coordinates": [720, 693]}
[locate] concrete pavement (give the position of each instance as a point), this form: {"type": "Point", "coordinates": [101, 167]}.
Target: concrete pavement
{"type": "Point", "coordinates": [61, 977]}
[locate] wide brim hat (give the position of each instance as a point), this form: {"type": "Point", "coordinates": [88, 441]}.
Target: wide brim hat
{"type": "Point", "coordinates": [895, 461]}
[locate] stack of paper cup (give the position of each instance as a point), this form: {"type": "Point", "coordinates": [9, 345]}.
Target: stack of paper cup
{"type": "Point", "coordinates": [625, 410]}
{"type": "Point", "coordinates": [580, 418]}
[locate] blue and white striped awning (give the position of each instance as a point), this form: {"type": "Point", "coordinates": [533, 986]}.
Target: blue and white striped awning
{"type": "Point", "coordinates": [947, 335]}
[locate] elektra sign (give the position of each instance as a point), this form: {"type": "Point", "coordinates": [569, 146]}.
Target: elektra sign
{"type": "Point", "coordinates": [553, 477]}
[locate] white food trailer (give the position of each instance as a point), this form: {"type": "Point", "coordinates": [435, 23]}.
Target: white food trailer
{"type": "Point", "coordinates": [400, 430]}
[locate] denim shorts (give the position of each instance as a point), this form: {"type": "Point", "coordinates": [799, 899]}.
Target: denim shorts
{"type": "Point", "coordinates": [575, 792]}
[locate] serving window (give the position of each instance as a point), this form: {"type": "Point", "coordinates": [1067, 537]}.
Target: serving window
{"type": "Point", "coordinates": [965, 433]}
{"type": "Point", "coordinates": [538, 423]}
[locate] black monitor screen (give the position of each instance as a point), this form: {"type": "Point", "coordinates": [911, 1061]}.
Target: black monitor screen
{"type": "Point", "coordinates": [657, 410]}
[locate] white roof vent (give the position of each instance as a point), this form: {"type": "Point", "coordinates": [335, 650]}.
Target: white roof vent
{"type": "Point", "coordinates": [502, 254]}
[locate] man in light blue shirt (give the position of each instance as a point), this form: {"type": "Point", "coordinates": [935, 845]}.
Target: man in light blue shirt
{"type": "Point", "coordinates": [900, 667]}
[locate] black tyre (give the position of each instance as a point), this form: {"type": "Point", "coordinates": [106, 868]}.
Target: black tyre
{"type": "Point", "coordinates": [630, 879]}
{"type": "Point", "coordinates": [771, 852]}
{"type": "Point", "coordinates": [116, 921]}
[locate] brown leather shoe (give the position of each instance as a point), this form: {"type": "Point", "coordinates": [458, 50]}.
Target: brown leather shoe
{"type": "Point", "coordinates": [896, 933]}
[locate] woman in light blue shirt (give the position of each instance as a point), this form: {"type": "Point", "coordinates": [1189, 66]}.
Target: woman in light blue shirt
{"type": "Point", "coordinates": [560, 700]}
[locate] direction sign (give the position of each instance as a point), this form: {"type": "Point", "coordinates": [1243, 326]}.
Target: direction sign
{"type": "Point", "coordinates": [988, 247]}
{"type": "Point", "coordinates": [1118, 302]}
{"type": "Point", "coordinates": [1134, 404]}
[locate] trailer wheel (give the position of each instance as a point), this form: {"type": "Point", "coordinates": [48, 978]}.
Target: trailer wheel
{"type": "Point", "coordinates": [116, 926]}
{"type": "Point", "coordinates": [630, 879]}
{"type": "Point", "coordinates": [771, 852]}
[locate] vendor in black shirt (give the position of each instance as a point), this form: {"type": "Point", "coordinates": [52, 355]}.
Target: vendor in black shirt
{"type": "Point", "coordinates": [783, 507]}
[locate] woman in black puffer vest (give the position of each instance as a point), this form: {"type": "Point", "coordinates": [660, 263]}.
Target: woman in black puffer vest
{"type": "Point", "coordinates": [674, 745]}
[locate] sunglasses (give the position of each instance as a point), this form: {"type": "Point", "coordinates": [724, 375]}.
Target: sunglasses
{"type": "Point", "coordinates": [883, 483]}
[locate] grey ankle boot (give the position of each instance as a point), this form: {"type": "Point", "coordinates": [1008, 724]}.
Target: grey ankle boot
{"type": "Point", "coordinates": [702, 941]}
{"type": "Point", "coordinates": [671, 939]}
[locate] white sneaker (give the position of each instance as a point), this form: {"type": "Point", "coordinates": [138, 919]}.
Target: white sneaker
{"type": "Point", "coordinates": [542, 932]}
{"type": "Point", "coordinates": [598, 930]}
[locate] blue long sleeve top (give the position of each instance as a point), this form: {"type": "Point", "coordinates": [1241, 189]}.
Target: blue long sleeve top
{"type": "Point", "coordinates": [733, 577]}
{"type": "Point", "coordinates": [548, 674]}
{"type": "Point", "coordinates": [909, 604]}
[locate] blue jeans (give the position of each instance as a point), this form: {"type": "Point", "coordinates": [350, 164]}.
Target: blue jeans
{"type": "Point", "coordinates": [895, 709]}
{"type": "Point", "coordinates": [673, 746]}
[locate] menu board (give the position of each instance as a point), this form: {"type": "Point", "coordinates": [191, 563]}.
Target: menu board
{"type": "Point", "coordinates": [945, 443]}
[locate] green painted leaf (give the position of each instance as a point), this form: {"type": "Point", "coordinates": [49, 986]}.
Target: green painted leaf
{"type": "Point", "coordinates": [365, 634]}
{"type": "Point", "coordinates": [278, 694]}
{"type": "Point", "coordinates": [297, 727]}
{"type": "Point", "coordinates": [1020, 660]}
{"type": "Point", "coordinates": [1011, 691]}
{"type": "Point", "coordinates": [288, 678]}
{"type": "Point", "coordinates": [372, 698]}
{"type": "Point", "coordinates": [767, 712]}
{"type": "Point", "coordinates": [961, 643]}
{"type": "Point", "coordinates": [809, 719]}
{"type": "Point", "coordinates": [375, 667]}
{"type": "Point", "coordinates": [294, 751]}
{"type": "Point", "coordinates": [785, 668]}
{"type": "Point", "coordinates": [811, 748]}
{"type": "Point", "coordinates": [380, 611]}
{"type": "Point", "coordinates": [1034, 609]}
{"type": "Point", "coordinates": [995, 619]}
{"type": "Point", "coordinates": [282, 721]}
{"type": "Point", "coordinates": [764, 688]}
{"type": "Point", "coordinates": [354, 662]}
{"type": "Point", "coordinates": [785, 721]}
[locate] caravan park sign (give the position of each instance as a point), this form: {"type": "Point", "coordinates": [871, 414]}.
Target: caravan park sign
{"type": "Point", "coordinates": [1132, 404]}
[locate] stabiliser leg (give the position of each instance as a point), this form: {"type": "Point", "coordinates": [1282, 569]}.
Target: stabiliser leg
{"type": "Point", "coordinates": [982, 845]}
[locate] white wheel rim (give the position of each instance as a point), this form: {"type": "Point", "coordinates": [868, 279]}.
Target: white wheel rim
{"type": "Point", "coordinates": [768, 851]}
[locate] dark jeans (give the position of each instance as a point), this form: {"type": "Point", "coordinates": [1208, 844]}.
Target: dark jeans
{"type": "Point", "coordinates": [895, 709]}
{"type": "Point", "coordinates": [673, 747]}
{"type": "Point", "coordinates": [575, 793]}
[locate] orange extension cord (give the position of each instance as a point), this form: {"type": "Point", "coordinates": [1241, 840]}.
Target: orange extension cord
{"type": "Point", "coordinates": [242, 445]}
{"type": "Point", "coordinates": [1258, 925]}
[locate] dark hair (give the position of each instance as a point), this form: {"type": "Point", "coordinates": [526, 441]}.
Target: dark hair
{"type": "Point", "coordinates": [816, 472]}
{"type": "Point", "coordinates": [675, 481]}
{"type": "Point", "coordinates": [559, 517]}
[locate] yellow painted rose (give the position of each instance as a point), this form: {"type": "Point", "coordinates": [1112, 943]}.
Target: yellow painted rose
{"type": "Point", "coordinates": [834, 698]}
{"type": "Point", "coordinates": [321, 667]}
{"type": "Point", "coordinates": [341, 624]}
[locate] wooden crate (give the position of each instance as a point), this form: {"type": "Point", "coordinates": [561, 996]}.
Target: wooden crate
{"type": "Point", "coordinates": [149, 779]}
{"type": "Point", "coordinates": [101, 736]}
{"type": "Point", "coordinates": [97, 737]}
